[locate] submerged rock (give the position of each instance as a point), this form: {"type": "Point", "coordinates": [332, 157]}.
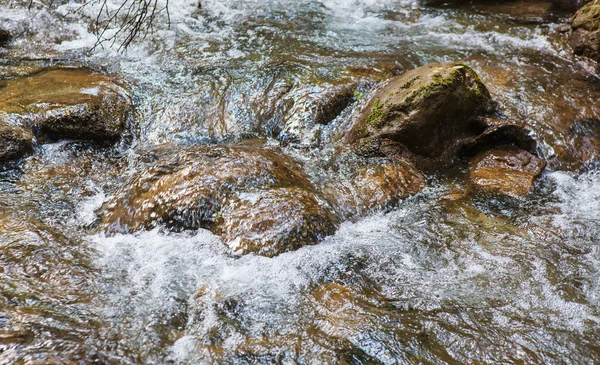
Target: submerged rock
{"type": "Point", "coordinates": [274, 221]}
{"type": "Point", "coordinates": [257, 200]}
{"type": "Point", "coordinates": [67, 104]}
{"type": "Point", "coordinates": [506, 170]}
{"type": "Point", "coordinates": [14, 141]}
{"type": "Point", "coordinates": [368, 186]}
{"type": "Point", "coordinates": [584, 37]}
{"type": "Point", "coordinates": [430, 110]}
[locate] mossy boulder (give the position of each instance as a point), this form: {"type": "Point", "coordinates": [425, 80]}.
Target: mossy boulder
{"type": "Point", "coordinates": [506, 170]}
{"type": "Point", "coordinates": [258, 200]}
{"type": "Point", "coordinates": [14, 141]}
{"type": "Point", "coordinates": [584, 37]}
{"type": "Point", "coordinates": [430, 110]}
{"type": "Point", "coordinates": [67, 104]}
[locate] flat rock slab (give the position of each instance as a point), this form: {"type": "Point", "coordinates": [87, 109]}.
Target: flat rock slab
{"type": "Point", "coordinates": [66, 104]}
{"type": "Point", "coordinates": [505, 170]}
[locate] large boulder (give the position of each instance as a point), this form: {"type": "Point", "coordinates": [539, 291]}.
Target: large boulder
{"type": "Point", "coordinates": [67, 104]}
{"type": "Point", "coordinates": [430, 111]}
{"type": "Point", "coordinates": [584, 37]}
{"type": "Point", "coordinates": [505, 170]}
{"type": "Point", "coordinates": [14, 141]}
{"type": "Point", "coordinates": [258, 200]}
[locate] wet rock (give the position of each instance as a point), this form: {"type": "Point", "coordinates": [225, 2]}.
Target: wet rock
{"type": "Point", "coordinates": [333, 102]}
{"type": "Point", "coordinates": [584, 37]}
{"type": "Point", "coordinates": [505, 170]}
{"type": "Point", "coordinates": [14, 141]}
{"type": "Point", "coordinates": [67, 104]}
{"type": "Point", "coordinates": [569, 4]}
{"type": "Point", "coordinates": [257, 200]}
{"type": "Point", "coordinates": [430, 110]}
{"type": "Point", "coordinates": [274, 221]}
{"type": "Point", "coordinates": [374, 185]}
{"type": "Point", "coordinates": [5, 37]}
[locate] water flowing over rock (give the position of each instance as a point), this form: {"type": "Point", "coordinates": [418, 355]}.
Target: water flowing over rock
{"type": "Point", "coordinates": [430, 110]}
{"type": "Point", "coordinates": [506, 170]}
{"type": "Point", "coordinates": [363, 186]}
{"type": "Point", "coordinates": [584, 37]}
{"type": "Point", "coordinates": [257, 200]}
{"type": "Point", "coordinates": [67, 104]}
{"type": "Point", "coordinates": [14, 141]}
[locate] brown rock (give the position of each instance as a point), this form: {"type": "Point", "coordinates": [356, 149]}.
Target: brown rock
{"type": "Point", "coordinates": [258, 200]}
{"type": "Point", "coordinates": [585, 31]}
{"type": "Point", "coordinates": [67, 104]}
{"type": "Point", "coordinates": [374, 185]}
{"type": "Point", "coordinates": [429, 110]}
{"type": "Point", "coordinates": [274, 221]}
{"type": "Point", "coordinates": [505, 170]}
{"type": "Point", "coordinates": [14, 141]}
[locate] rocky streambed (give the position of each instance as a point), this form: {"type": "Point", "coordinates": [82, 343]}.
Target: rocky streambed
{"type": "Point", "coordinates": [302, 182]}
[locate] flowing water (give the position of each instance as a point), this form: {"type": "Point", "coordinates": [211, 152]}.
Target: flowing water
{"type": "Point", "coordinates": [442, 278]}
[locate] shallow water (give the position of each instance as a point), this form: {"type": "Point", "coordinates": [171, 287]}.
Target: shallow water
{"type": "Point", "coordinates": [444, 277]}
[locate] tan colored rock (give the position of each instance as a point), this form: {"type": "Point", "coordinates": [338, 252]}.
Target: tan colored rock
{"type": "Point", "coordinates": [505, 170]}
{"type": "Point", "coordinates": [67, 104]}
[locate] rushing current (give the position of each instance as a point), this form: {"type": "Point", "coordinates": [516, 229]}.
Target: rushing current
{"type": "Point", "coordinates": [442, 278]}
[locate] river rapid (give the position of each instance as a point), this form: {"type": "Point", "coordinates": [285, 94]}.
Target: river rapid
{"type": "Point", "coordinates": [443, 277]}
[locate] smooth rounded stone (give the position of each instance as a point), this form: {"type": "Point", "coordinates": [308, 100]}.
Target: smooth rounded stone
{"type": "Point", "coordinates": [584, 37]}
{"type": "Point", "coordinates": [374, 185]}
{"type": "Point", "coordinates": [274, 221]}
{"type": "Point", "coordinates": [506, 170]}
{"type": "Point", "coordinates": [67, 104]}
{"type": "Point", "coordinates": [429, 110]}
{"type": "Point", "coordinates": [14, 141]}
{"type": "Point", "coordinates": [257, 199]}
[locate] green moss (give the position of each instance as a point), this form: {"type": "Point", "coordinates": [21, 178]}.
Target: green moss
{"type": "Point", "coordinates": [376, 116]}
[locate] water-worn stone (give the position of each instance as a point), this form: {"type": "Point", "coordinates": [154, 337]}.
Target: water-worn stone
{"type": "Point", "coordinates": [430, 110]}
{"type": "Point", "coordinates": [584, 37]}
{"type": "Point", "coordinates": [257, 200]}
{"type": "Point", "coordinates": [506, 170]}
{"type": "Point", "coordinates": [273, 221]}
{"type": "Point", "coordinates": [67, 104]}
{"type": "Point", "coordinates": [14, 141]}
{"type": "Point", "coordinates": [372, 186]}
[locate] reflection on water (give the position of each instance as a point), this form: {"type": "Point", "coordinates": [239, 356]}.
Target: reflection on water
{"type": "Point", "coordinates": [443, 278]}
